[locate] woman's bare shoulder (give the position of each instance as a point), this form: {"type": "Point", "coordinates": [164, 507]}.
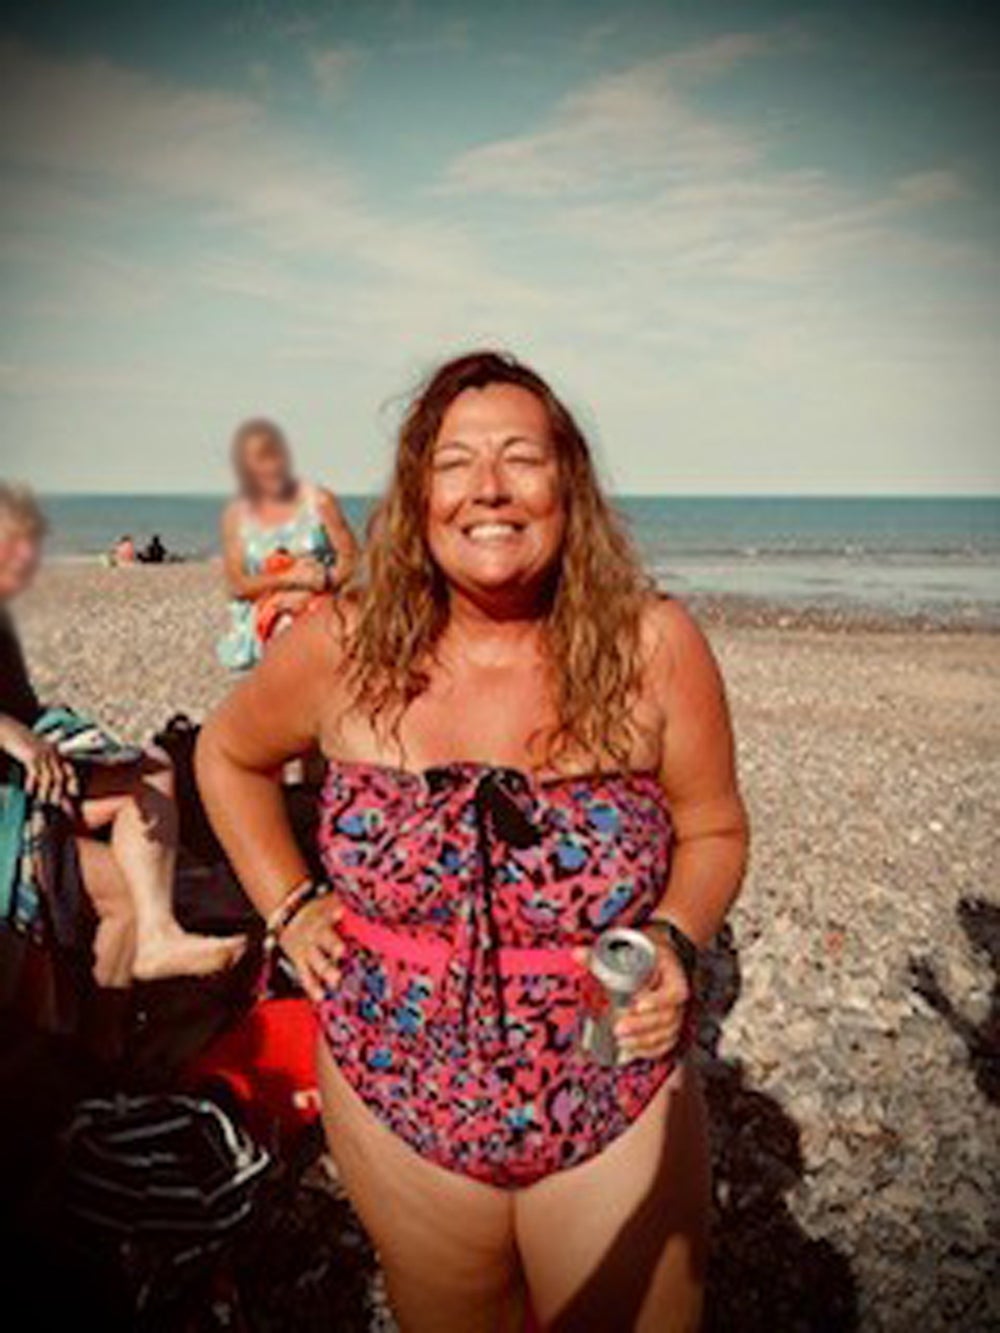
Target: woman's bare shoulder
{"type": "Point", "coordinates": [668, 623]}
{"type": "Point", "coordinates": [672, 639]}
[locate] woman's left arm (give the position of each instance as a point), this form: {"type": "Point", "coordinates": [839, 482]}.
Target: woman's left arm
{"type": "Point", "coordinates": [698, 772]}
{"type": "Point", "coordinates": [341, 537]}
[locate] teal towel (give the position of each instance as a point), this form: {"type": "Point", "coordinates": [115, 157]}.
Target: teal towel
{"type": "Point", "coordinates": [25, 823]}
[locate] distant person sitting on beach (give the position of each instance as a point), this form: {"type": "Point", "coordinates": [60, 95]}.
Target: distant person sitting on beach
{"type": "Point", "coordinates": [284, 543]}
{"type": "Point", "coordinates": [123, 552]}
{"type": "Point", "coordinates": [154, 552]}
{"type": "Point", "coordinates": [107, 787]}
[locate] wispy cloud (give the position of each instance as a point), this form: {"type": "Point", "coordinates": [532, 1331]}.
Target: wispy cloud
{"type": "Point", "coordinates": [624, 129]}
{"type": "Point", "coordinates": [773, 226]}
{"type": "Point", "coordinates": [332, 68]}
{"type": "Point", "coordinates": [251, 278]}
{"type": "Point", "coordinates": [28, 380]}
{"type": "Point", "coordinates": [108, 127]}
{"type": "Point", "coordinates": [940, 186]}
{"type": "Point", "coordinates": [142, 146]}
{"type": "Point", "coordinates": [633, 168]}
{"type": "Point", "coordinates": [669, 258]}
{"type": "Point", "coordinates": [447, 37]}
{"type": "Point", "coordinates": [79, 278]}
{"type": "Point", "coordinates": [271, 19]}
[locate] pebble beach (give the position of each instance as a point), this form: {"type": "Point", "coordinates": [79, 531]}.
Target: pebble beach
{"type": "Point", "coordinates": [851, 1028]}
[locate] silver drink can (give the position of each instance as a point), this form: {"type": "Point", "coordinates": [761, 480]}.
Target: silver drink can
{"type": "Point", "coordinates": [621, 963]}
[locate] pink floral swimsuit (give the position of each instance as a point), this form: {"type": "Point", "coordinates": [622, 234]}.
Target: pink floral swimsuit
{"type": "Point", "coordinates": [457, 1015]}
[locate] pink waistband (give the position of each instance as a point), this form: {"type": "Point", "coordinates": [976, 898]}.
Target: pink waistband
{"type": "Point", "coordinates": [433, 954]}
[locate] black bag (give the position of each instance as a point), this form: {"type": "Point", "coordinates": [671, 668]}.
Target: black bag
{"type": "Point", "coordinates": [179, 738]}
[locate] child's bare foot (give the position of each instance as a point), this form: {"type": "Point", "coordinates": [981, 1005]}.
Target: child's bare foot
{"type": "Point", "coordinates": [176, 953]}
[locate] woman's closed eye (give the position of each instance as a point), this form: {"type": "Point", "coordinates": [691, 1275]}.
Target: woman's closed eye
{"type": "Point", "coordinates": [447, 460]}
{"type": "Point", "coordinates": [525, 452]}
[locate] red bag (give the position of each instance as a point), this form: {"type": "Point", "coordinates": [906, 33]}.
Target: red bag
{"type": "Point", "coordinates": [268, 1063]}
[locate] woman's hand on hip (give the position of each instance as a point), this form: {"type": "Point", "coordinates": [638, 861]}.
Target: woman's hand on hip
{"type": "Point", "coordinates": [313, 945]}
{"type": "Point", "coordinates": [652, 1025]}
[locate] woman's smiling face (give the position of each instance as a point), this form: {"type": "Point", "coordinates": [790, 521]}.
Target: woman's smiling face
{"type": "Point", "coordinates": [496, 513]}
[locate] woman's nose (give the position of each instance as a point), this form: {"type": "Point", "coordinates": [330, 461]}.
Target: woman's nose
{"type": "Point", "coordinates": [490, 487]}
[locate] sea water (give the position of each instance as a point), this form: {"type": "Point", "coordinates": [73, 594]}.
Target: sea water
{"type": "Point", "coordinates": [891, 554]}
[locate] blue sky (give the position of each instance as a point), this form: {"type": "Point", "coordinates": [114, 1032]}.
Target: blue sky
{"type": "Point", "coordinates": [757, 247]}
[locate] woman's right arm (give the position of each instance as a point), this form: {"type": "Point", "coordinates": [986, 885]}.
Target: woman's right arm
{"type": "Point", "coordinates": [274, 715]}
{"type": "Point", "coordinates": [305, 575]}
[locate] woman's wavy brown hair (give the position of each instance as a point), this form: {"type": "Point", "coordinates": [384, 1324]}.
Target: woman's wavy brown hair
{"type": "Point", "coordinates": [598, 590]}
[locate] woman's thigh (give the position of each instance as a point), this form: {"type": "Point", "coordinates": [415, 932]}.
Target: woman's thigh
{"type": "Point", "coordinates": [445, 1242]}
{"type": "Point", "coordinates": [621, 1241]}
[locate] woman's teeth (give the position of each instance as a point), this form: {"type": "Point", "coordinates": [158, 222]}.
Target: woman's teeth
{"type": "Point", "coordinates": [491, 532]}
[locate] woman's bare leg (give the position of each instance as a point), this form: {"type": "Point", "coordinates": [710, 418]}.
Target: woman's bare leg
{"type": "Point", "coordinates": [445, 1242]}
{"type": "Point", "coordinates": [621, 1241]}
{"type": "Point", "coordinates": [104, 1011]}
{"type": "Point", "coordinates": [114, 939]}
{"type": "Point", "coordinates": [138, 803]}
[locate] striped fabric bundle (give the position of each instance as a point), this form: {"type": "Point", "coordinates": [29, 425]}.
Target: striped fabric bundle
{"type": "Point", "coordinates": [166, 1167]}
{"type": "Point", "coordinates": [164, 1184]}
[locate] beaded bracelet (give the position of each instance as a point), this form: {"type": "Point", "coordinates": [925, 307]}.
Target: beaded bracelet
{"type": "Point", "coordinates": [288, 909]}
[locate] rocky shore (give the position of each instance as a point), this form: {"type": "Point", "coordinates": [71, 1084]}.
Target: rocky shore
{"type": "Point", "coordinates": [852, 1018]}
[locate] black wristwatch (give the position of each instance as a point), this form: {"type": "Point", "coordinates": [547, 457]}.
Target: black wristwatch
{"type": "Point", "coordinates": [683, 946]}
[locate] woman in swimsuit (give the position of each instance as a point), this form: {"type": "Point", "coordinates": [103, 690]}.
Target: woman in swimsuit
{"type": "Point", "coordinates": [526, 746]}
{"type": "Point", "coordinates": [285, 543]}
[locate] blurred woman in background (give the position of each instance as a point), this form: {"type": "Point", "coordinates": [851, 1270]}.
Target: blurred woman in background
{"type": "Point", "coordinates": [285, 542]}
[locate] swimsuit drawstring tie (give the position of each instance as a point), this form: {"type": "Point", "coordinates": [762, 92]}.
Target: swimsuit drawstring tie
{"type": "Point", "coordinates": [499, 817]}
